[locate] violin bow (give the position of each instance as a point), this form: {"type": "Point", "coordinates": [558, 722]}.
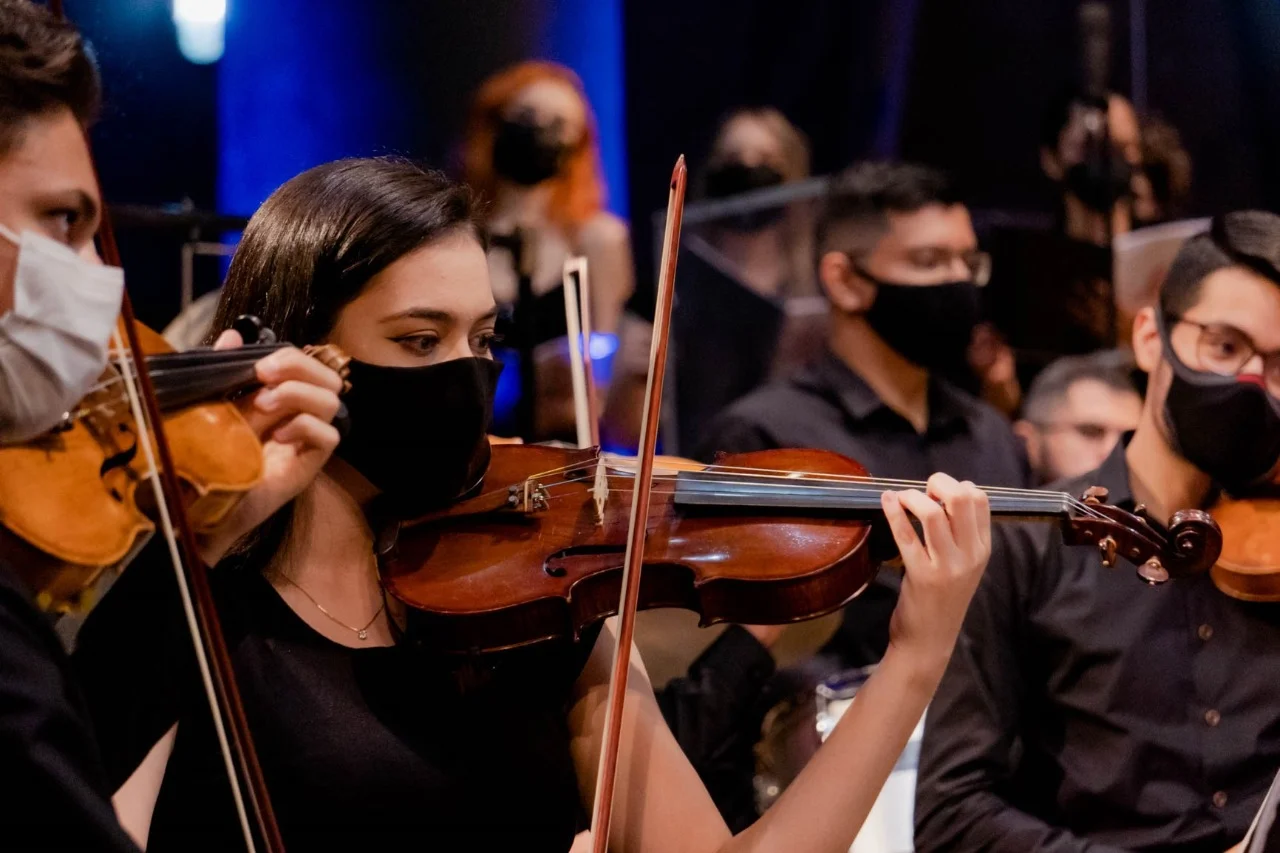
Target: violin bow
{"type": "Point", "coordinates": [607, 773]}
{"type": "Point", "coordinates": [577, 315]}
{"type": "Point", "coordinates": [248, 786]}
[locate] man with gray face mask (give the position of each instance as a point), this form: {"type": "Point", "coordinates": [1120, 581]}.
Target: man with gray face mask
{"type": "Point", "coordinates": [58, 309]}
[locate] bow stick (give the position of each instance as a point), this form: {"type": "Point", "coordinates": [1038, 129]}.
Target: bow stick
{"type": "Point", "coordinates": [248, 786]}
{"type": "Point", "coordinates": [608, 771]}
{"type": "Point", "coordinates": [577, 315]}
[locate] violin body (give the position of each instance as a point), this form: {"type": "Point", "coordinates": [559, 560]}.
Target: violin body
{"type": "Point", "coordinates": [488, 574]}
{"type": "Point", "coordinates": [1249, 566]}
{"type": "Point", "coordinates": [75, 501]}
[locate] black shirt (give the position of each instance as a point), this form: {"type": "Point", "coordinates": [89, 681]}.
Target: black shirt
{"type": "Point", "coordinates": [55, 794]}
{"type": "Point", "coordinates": [378, 748]}
{"type": "Point", "coordinates": [1084, 711]}
{"type": "Point", "coordinates": [716, 712]}
{"type": "Point", "coordinates": [829, 407]}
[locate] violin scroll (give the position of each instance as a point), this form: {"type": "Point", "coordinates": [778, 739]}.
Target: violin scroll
{"type": "Point", "coordinates": [1189, 545]}
{"type": "Point", "coordinates": [1196, 543]}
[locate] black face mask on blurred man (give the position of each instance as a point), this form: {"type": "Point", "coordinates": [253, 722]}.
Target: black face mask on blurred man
{"type": "Point", "coordinates": [930, 325]}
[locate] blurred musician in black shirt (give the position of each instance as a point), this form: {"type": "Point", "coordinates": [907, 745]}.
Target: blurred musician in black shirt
{"type": "Point", "coordinates": [1050, 292]}
{"type": "Point", "coordinates": [900, 264]}
{"type": "Point", "coordinates": [1082, 711]}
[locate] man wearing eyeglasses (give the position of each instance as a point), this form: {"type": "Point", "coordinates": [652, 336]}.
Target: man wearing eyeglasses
{"type": "Point", "coordinates": [1082, 711]}
{"type": "Point", "coordinates": [1076, 411]}
{"type": "Point", "coordinates": [899, 261]}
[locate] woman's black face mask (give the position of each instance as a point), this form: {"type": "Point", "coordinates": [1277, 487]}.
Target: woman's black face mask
{"type": "Point", "coordinates": [420, 434]}
{"type": "Point", "coordinates": [528, 153]}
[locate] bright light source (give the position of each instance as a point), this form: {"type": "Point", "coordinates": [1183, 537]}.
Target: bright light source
{"type": "Point", "coordinates": [602, 345]}
{"type": "Point", "coordinates": [200, 11]}
{"type": "Point", "coordinates": [201, 28]}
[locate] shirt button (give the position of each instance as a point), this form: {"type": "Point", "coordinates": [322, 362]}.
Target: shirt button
{"type": "Point", "coordinates": [1212, 718]}
{"type": "Point", "coordinates": [1220, 799]}
{"type": "Point", "coordinates": [1205, 632]}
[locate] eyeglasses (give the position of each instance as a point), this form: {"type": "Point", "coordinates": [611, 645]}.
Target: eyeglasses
{"type": "Point", "coordinates": [1225, 350]}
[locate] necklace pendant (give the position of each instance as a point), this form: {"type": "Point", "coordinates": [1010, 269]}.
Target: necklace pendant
{"type": "Point", "coordinates": [362, 634]}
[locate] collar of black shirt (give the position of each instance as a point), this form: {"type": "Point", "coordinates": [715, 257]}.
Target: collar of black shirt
{"type": "Point", "coordinates": [1112, 475]}
{"type": "Point", "coordinates": [949, 407]}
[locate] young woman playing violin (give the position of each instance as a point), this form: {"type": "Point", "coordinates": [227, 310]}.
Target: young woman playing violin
{"type": "Point", "coordinates": [368, 738]}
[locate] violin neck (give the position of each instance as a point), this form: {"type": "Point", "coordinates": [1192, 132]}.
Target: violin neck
{"type": "Point", "coordinates": [840, 496]}
{"type": "Point", "coordinates": [197, 376]}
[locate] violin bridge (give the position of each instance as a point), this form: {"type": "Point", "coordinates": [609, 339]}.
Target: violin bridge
{"type": "Point", "coordinates": [600, 491]}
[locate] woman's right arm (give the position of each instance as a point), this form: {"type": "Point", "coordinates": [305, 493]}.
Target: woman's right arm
{"type": "Point", "coordinates": [135, 801]}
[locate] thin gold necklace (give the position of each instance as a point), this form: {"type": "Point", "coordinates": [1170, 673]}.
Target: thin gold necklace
{"type": "Point", "coordinates": [362, 633]}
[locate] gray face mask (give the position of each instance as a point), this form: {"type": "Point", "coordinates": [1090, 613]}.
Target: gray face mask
{"type": "Point", "coordinates": [54, 343]}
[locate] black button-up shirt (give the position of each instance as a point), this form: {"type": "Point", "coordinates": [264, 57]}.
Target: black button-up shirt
{"type": "Point", "coordinates": [829, 407]}
{"type": "Point", "coordinates": [1084, 711]}
{"type": "Point", "coordinates": [717, 710]}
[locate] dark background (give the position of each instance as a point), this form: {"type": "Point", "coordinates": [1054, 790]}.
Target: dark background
{"type": "Point", "coordinates": [960, 85]}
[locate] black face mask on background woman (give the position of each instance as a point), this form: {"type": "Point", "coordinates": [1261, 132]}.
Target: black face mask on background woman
{"type": "Point", "coordinates": [733, 178]}
{"type": "Point", "coordinates": [527, 153]}
{"type": "Point", "coordinates": [420, 434]}
{"type": "Point", "coordinates": [1227, 426]}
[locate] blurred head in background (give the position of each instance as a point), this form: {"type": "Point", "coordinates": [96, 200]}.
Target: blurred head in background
{"type": "Point", "coordinates": [768, 249]}
{"type": "Point", "coordinates": [531, 127]}
{"type": "Point", "coordinates": [1163, 184]}
{"type": "Point", "coordinates": [754, 148]}
{"type": "Point", "coordinates": [1092, 182]}
{"type": "Point", "coordinates": [899, 260]}
{"type": "Point", "coordinates": [1076, 410]}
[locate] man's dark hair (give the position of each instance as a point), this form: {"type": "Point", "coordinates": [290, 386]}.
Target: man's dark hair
{"type": "Point", "coordinates": [44, 65]}
{"type": "Point", "coordinates": [1246, 238]}
{"type": "Point", "coordinates": [1113, 368]}
{"type": "Point", "coordinates": [860, 199]}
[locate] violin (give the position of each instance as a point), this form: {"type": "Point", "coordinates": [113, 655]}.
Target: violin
{"type": "Point", "coordinates": [1249, 567]}
{"type": "Point", "coordinates": [70, 502]}
{"type": "Point", "coordinates": [770, 537]}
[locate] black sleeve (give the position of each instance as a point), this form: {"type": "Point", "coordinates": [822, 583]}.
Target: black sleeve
{"type": "Point", "coordinates": [136, 662]}
{"type": "Point", "coordinates": [55, 794]}
{"type": "Point", "coordinates": [730, 433]}
{"type": "Point", "coordinates": [714, 713]}
{"type": "Point", "coordinates": [968, 758]}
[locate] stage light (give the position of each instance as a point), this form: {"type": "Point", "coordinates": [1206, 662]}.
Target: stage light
{"type": "Point", "coordinates": [201, 26]}
{"type": "Point", "coordinates": [602, 345]}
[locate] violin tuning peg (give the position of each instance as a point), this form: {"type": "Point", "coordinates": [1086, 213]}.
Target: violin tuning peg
{"type": "Point", "coordinates": [250, 328]}
{"type": "Point", "coordinates": [1096, 495]}
{"type": "Point", "coordinates": [1107, 548]}
{"type": "Point", "coordinates": [1152, 572]}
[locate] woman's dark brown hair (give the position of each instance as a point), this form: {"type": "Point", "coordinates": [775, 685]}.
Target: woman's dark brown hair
{"type": "Point", "coordinates": [315, 243]}
{"type": "Point", "coordinates": [312, 248]}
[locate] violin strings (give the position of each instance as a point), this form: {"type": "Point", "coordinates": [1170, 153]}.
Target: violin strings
{"type": "Point", "coordinates": [789, 479]}
{"type": "Point", "coordinates": [112, 404]}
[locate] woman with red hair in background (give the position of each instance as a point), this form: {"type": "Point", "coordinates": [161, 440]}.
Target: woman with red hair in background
{"type": "Point", "coordinates": [532, 153]}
